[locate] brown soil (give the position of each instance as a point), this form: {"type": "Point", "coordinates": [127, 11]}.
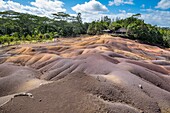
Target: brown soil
{"type": "Point", "coordinates": [99, 74]}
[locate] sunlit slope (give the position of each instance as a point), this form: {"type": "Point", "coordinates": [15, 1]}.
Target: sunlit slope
{"type": "Point", "coordinates": [87, 74]}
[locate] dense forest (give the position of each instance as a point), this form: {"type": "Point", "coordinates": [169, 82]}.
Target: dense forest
{"type": "Point", "coordinates": [16, 27]}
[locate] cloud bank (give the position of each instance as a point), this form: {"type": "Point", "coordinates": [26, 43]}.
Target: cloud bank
{"type": "Point", "coordinates": [39, 7]}
{"type": "Point", "coordinates": [120, 2]}
{"type": "Point", "coordinates": [93, 7]}
{"type": "Point", "coordinates": [163, 4]}
{"type": "Point", "coordinates": [92, 10]}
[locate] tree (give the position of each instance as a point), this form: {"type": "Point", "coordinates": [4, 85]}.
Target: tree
{"type": "Point", "coordinates": [61, 16]}
{"type": "Point", "coordinates": [115, 26]}
{"type": "Point", "coordinates": [97, 27]}
{"type": "Point", "coordinates": [16, 27]}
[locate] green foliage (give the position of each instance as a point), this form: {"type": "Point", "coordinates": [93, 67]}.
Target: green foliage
{"type": "Point", "coordinates": [16, 27]}
{"type": "Point", "coordinates": [137, 29]}
{"type": "Point", "coordinates": [28, 38]}
{"type": "Point", "coordinates": [115, 26]}
{"type": "Point", "coordinates": [47, 36]}
{"type": "Point", "coordinates": [2, 40]}
{"type": "Point", "coordinates": [96, 28]}
{"type": "Point", "coordinates": [145, 32]}
{"type": "Point", "coordinates": [91, 29]}
{"type": "Point", "coordinates": [5, 39]}
{"type": "Point", "coordinates": [40, 37]}
{"type": "Point", "coordinates": [166, 36]}
{"type": "Point", "coordinates": [26, 27]}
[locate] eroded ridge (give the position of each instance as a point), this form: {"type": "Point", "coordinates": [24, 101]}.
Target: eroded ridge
{"type": "Point", "coordinates": [90, 74]}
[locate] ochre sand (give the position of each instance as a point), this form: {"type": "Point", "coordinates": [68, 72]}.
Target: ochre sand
{"type": "Point", "coordinates": [97, 74]}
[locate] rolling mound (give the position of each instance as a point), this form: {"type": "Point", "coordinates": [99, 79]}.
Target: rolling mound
{"type": "Point", "coordinates": [87, 75]}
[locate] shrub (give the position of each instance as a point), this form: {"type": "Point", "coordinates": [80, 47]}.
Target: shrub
{"type": "Point", "coordinates": [28, 38]}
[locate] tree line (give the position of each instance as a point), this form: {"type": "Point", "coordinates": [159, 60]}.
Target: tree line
{"type": "Point", "coordinates": [136, 28]}
{"type": "Point", "coordinates": [16, 27]}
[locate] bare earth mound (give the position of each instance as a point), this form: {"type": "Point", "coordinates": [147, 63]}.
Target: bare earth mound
{"type": "Point", "coordinates": [99, 74]}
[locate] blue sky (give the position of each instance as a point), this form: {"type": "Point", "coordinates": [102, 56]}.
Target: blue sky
{"type": "Point", "coordinates": [156, 12]}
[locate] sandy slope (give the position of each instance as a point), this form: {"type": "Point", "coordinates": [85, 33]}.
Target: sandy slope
{"type": "Point", "coordinates": [85, 75]}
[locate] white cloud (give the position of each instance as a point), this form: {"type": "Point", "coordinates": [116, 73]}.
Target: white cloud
{"type": "Point", "coordinates": [93, 7]}
{"type": "Point", "coordinates": [143, 6]}
{"type": "Point", "coordinates": [154, 17]}
{"type": "Point", "coordinates": [163, 4]}
{"type": "Point", "coordinates": [92, 10]}
{"type": "Point", "coordinates": [89, 17]}
{"type": "Point", "coordinates": [39, 7]}
{"type": "Point", "coordinates": [49, 5]}
{"type": "Point", "coordinates": [122, 11]}
{"type": "Point", "coordinates": [157, 17]}
{"type": "Point", "coordinates": [120, 2]}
